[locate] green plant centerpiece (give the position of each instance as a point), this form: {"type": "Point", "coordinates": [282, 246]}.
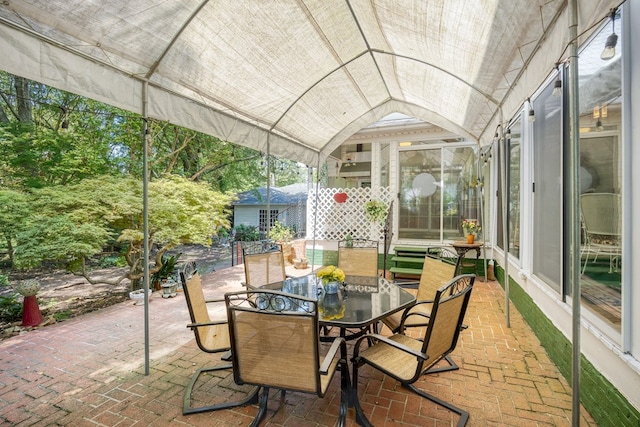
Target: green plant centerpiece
{"type": "Point", "coordinates": [376, 210]}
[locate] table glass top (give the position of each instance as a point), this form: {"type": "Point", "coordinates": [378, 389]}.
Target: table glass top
{"type": "Point", "coordinates": [359, 302]}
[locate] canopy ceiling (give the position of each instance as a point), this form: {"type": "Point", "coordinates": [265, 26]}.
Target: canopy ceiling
{"type": "Point", "coordinates": [301, 74]}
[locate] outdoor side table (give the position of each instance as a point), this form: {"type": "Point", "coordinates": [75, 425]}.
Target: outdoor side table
{"type": "Point", "coordinates": [462, 247]}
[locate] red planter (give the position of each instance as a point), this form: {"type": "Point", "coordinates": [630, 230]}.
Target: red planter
{"type": "Point", "coordinates": [340, 197]}
{"type": "Point", "coordinates": [31, 315]}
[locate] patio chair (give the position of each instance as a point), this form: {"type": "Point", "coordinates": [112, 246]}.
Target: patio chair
{"type": "Point", "coordinates": [211, 337]}
{"type": "Point", "coordinates": [358, 257]}
{"type": "Point", "coordinates": [406, 359]}
{"type": "Point", "coordinates": [263, 268]}
{"type": "Point", "coordinates": [601, 228]}
{"type": "Point", "coordinates": [440, 266]}
{"type": "Point", "coordinates": [275, 344]}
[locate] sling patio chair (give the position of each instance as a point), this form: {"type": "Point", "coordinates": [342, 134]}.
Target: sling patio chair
{"type": "Point", "coordinates": [601, 228]}
{"type": "Point", "coordinates": [211, 337]}
{"type": "Point", "coordinates": [275, 344]}
{"type": "Point", "coordinates": [263, 267]}
{"type": "Point", "coordinates": [406, 359]}
{"type": "Point", "coordinates": [440, 266]}
{"type": "Point", "coordinates": [357, 257]}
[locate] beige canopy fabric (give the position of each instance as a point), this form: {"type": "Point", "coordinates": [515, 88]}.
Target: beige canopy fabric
{"type": "Point", "coordinates": [299, 75]}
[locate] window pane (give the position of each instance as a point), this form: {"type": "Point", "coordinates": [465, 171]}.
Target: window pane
{"type": "Point", "coordinates": [514, 191]}
{"type": "Point", "coordinates": [461, 191]}
{"type": "Point", "coordinates": [420, 194]}
{"type": "Point", "coordinates": [601, 180]}
{"type": "Point", "coordinates": [438, 188]}
{"type": "Point", "coordinates": [548, 195]}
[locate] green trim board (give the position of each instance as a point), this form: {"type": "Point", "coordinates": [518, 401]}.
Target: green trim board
{"type": "Point", "coordinates": [601, 398]}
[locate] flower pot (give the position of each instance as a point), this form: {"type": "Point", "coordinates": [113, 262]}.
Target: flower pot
{"type": "Point", "coordinates": [470, 238]}
{"type": "Point", "coordinates": [169, 289]}
{"type": "Point", "coordinates": [138, 296]}
{"type": "Point", "coordinates": [331, 306]}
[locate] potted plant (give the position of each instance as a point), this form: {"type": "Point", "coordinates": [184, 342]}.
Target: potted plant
{"type": "Point", "coordinates": [376, 210]}
{"type": "Point", "coordinates": [471, 228]}
{"type": "Point", "coordinates": [167, 269]}
{"type": "Point", "coordinates": [282, 235]}
{"type": "Point", "coordinates": [331, 277]}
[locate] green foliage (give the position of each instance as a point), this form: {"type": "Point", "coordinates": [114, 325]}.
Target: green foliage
{"type": "Point", "coordinates": [167, 268]}
{"type": "Point", "coordinates": [376, 210]}
{"type": "Point", "coordinates": [62, 315]}
{"type": "Point", "coordinates": [10, 309]}
{"type": "Point", "coordinates": [112, 261]}
{"type": "Point", "coordinates": [246, 233]}
{"type": "Point", "coordinates": [280, 233]}
{"type": "Point", "coordinates": [70, 223]}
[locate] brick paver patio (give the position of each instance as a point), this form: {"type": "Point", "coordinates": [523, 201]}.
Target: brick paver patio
{"type": "Point", "coordinates": [89, 371]}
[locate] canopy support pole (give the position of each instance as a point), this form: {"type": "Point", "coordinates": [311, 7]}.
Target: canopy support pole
{"type": "Point", "coordinates": [574, 209]}
{"type": "Point", "coordinates": [315, 214]}
{"type": "Point", "coordinates": [268, 224]}
{"type": "Point", "coordinates": [145, 220]}
{"type": "Point", "coordinates": [504, 182]}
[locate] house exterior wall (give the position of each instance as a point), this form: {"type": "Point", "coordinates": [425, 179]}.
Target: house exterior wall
{"type": "Point", "coordinates": [288, 215]}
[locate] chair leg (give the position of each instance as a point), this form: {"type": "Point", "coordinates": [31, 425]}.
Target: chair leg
{"type": "Point", "coordinates": [464, 415]}
{"type": "Point", "coordinates": [262, 410]}
{"type": "Point", "coordinates": [361, 419]}
{"type": "Point", "coordinates": [186, 403]}
{"type": "Point", "coordinates": [345, 386]}
{"type": "Point", "coordinates": [452, 367]}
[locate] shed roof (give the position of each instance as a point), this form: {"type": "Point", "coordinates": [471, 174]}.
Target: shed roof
{"type": "Point", "coordinates": [287, 195]}
{"type": "Point", "coordinates": [299, 75]}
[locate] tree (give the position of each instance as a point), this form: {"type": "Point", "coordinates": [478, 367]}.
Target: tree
{"type": "Point", "coordinates": [70, 224]}
{"type": "Point", "coordinates": [14, 208]}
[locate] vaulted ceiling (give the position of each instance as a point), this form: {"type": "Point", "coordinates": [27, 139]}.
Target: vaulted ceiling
{"type": "Point", "coordinates": [298, 75]}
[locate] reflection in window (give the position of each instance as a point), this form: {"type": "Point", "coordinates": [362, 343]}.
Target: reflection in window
{"type": "Point", "coordinates": [601, 179]}
{"type": "Point", "coordinates": [548, 191]}
{"type": "Point", "coordinates": [513, 196]}
{"type": "Point", "coordinates": [514, 190]}
{"type": "Point", "coordinates": [438, 188]}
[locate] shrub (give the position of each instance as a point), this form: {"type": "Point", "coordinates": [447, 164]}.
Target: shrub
{"type": "Point", "coordinates": [246, 233]}
{"type": "Point", "coordinates": [10, 309]}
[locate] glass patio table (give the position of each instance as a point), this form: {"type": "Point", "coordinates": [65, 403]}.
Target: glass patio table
{"type": "Point", "coordinates": [359, 303]}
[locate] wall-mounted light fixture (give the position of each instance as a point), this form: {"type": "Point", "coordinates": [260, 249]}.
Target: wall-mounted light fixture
{"type": "Point", "coordinates": [532, 114]}
{"type": "Point", "coordinates": [405, 144]}
{"type": "Point", "coordinates": [609, 50]}
{"type": "Point", "coordinates": [599, 126]}
{"type": "Point", "coordinates": [557, 85]}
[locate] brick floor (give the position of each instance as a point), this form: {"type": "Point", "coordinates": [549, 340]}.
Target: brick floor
{"type": "Point", "coordinates": [89, 371]}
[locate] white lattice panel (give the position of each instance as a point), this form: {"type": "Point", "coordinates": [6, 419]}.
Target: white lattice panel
{"type": "Point", "coordinates": [335, 220]}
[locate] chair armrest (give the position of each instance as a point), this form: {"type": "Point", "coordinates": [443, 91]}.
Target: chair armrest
{"type": "Point", "coordinates": [410, 284]}
{"type": "Point", "coordinates": [392, 343]}
{"type": "Point", "coordinates": [407, 315]}
{"type": "Point", "coordinates": [328, 358]}
{"type": "Point", "coordinates": [208, 301]}
{"type": "Point", "coordinates": [407, 311]}
{"type": "Point", "coordinates": [214, 323]}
